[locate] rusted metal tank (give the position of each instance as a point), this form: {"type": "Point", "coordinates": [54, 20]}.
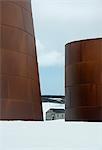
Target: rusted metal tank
{"type": "Point", "coordinates": [19, 79]}
{"type": "Point", "coordinates": [83, 80]}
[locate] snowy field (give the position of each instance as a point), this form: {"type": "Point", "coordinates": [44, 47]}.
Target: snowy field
{"type": "Point", "coordinates": [50, 135]}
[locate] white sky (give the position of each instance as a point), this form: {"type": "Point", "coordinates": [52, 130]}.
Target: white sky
{"type": "Point", "coordinates": [58, 22]}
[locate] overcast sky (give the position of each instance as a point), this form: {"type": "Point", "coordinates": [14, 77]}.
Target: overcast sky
{"type": "Point", "coordinates": [58, 22]}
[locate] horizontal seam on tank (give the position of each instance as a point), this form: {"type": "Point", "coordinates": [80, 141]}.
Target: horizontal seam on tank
{"type": "Point", "coordinates": [15, 75]}
{"type": "Point", "coordinates": [81, 62]}
{"type": "Point", "coordinates": [16, 27]}
{"type": "Point", "coordinates": [80, 84]}
{"type": "Point", "coordinates": [20, 6]}
{"type": "Point", "coordinates": [76, 107]}
{"type": "Point", "coordinates": [17, 52]}
{"type": "Point", "coordinates": [16, 100]}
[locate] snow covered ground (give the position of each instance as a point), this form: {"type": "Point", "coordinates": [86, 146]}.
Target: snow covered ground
{"type": "Point", "coordinates": [50, 135]}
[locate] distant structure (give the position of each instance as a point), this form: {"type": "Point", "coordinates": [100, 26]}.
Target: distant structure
{"type": "Point", "coordinates": [83, 80]}
{"type": "Point", "coordinates": [53, 99]}
{"type": "Point", "coordinates": [19, 79]}
{"type": "Point", "coordinates": [54, 114]}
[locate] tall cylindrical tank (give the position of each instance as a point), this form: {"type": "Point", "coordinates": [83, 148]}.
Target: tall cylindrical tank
{"type": "Point", "coordinates": [83, 80]}
{"type": "Point", "coordinates": [19, 79]}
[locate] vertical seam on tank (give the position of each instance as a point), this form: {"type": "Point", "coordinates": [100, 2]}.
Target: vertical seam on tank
{"type": "Point", "coordinates": [70, 97]}
{"type": "Point", "coordinates": [14, 3]}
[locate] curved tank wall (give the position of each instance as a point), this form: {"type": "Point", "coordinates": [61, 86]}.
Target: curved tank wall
{"type": "Point", "coordinates": [19, 79]}
{"type": "Point", "coordinates": [83, 80]}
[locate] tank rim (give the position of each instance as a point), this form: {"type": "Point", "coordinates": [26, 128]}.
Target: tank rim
{"type": "Point", "coordinates": [88, 39]}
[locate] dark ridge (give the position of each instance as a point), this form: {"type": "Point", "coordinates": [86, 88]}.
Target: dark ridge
{"type": "Point", "coordinates": [50, 98]}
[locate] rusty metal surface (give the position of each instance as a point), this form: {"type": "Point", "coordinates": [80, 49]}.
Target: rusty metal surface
{"type": "Point", "coordinates": [83, 80]}
{"type": "Point", "coordinates": [19, 79]}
